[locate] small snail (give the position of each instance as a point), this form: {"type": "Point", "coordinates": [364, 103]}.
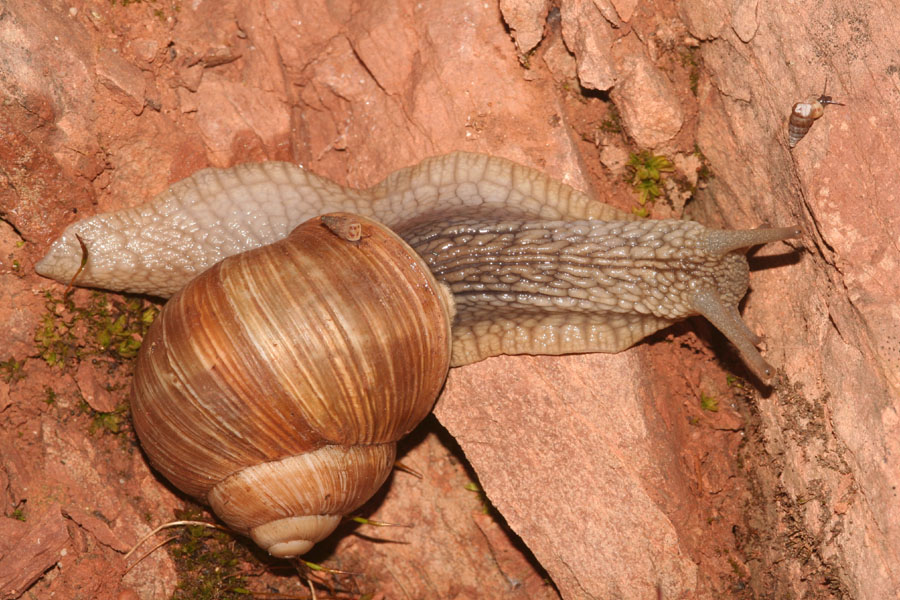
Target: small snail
{"type": "Point", "coordinates": [804, 113]}
{"type": "Point", "coordinates": [533, 266]}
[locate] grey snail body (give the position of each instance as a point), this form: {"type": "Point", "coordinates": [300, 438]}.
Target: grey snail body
{"type": "Point", "coordinates": [533, 267]}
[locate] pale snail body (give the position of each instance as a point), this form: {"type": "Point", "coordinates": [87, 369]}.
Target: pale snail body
{"type": "Point", "coordinates": [157, 247]}
{"type": "Point", "coordinates": [534, 266]}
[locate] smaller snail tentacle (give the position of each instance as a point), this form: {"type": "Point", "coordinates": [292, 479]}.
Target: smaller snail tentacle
{"type": "Point", "coordinates": [727, 320]}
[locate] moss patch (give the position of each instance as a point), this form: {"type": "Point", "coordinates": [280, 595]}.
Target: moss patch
{"type": "Point", "coordinates": [103, 325]}
{"type": "Point", "coordinates": [208, 563]}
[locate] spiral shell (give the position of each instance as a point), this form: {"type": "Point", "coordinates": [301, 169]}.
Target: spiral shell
{"type": "Point", "coordinates": [282, 420]}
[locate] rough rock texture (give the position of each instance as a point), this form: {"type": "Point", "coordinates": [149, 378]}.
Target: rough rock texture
{"type": "Point", "coordinates": [584, 486]}
{"type": "Point", "coordinates": [606, 466]}
{"type": "Point", "coordinates": [526, 19]}
{"type": "Point", "coordinates": [646, 99]}
{"type": "Point", "coordinates": [589, 37]}
{"type": "Point", "coordinates": [831, 428]}
{"type": "Point", "coordinates": [29, 551]}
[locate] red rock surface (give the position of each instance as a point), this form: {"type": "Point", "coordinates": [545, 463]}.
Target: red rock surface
{"type": "Point", "coordinates": [28, 551]}
{"type": "Point", "coordinates": [606, 466]}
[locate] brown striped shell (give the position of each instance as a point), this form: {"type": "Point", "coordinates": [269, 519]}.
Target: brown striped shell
{"type": "Point", "coordinates": [285, 420]}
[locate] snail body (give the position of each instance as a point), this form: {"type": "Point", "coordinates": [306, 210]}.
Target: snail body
{"type": "Point", "coordinates": [157, 247]}
{"type": "Point", "coordinates": [533, 267]}
{"type": "Point", "coordinates": [803, 114]}
{"type": "Point", "coordinates": [560, 287]}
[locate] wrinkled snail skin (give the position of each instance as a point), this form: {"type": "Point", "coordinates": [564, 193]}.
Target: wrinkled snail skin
{"type": "Point", "coordinates": [258, 389]}
{"type": "Point", "coordinates": [558, 287]}
{"type": "Point", "coordinates": [157, 247]}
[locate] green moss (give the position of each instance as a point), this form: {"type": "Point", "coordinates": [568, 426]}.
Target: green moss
{"type": "Point", "coordinates": [646, 178]}
{"type": "Point", "coordinates": [11, 370]}
{"type": "Point", "coordinates": [56, 344]}
{"type": "Point", "coordinates": [111, 422]}
{"type": "Point", "coordinates": [18, 514]}
{"type": "Point", "coordinates": [486, 506]}
{"type": "Point", "coordinates": [49, 396]}
{"type": "Point", "coordinates": [119, 326]}
{"type": "Point", "coordinates": [734, 381]}
{"type": "Point", "coordinates": [613, 122]}
{"type": "Point", "coordinates": [709, 403]}
{"type": "Point", "coordinates": [109, 325]}
{"type": "Point", "coordinates": [208, 563]}
{"type": "Point", "coordinates": [690, 59]}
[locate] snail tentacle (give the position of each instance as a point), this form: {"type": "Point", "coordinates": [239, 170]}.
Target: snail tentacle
{"type": "Point", "coordinates": [721, 242]}
{"type": "Point", "coordinates": [727, 320]}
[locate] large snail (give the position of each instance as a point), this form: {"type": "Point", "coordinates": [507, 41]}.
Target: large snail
{"type": "Point", "coordinates": [533, 266]}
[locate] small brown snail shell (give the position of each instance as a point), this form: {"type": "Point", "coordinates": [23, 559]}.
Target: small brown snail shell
{"type": "Point", "coordinates": [803, 114]}
{"type": "Point", "coordinates": [284, 420]}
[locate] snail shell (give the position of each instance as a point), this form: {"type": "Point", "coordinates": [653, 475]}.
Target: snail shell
{"type": "Point", "coordinates": [284, 420]}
